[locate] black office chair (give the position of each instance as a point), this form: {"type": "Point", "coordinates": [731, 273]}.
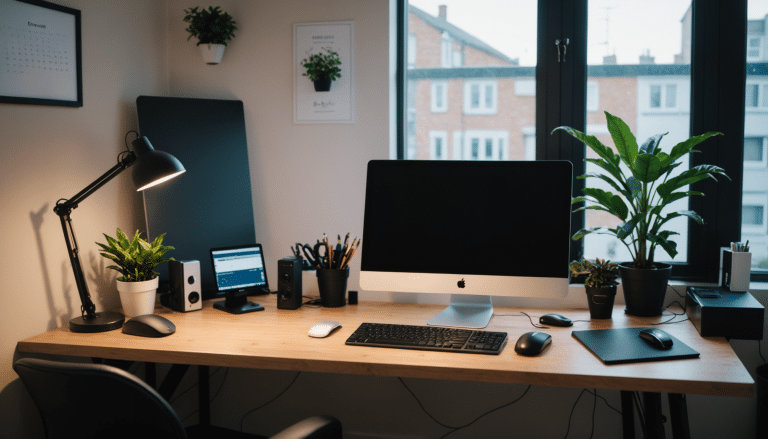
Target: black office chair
{"type": "Point", "coordinates": [97, 401]}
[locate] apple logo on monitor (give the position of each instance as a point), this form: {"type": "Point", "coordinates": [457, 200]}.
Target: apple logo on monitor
{"type": "Point", "coordinates": [461, 283]}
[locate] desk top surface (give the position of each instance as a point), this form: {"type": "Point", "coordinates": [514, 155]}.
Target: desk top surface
{"type": "Point", "coordinates": [277, 339]}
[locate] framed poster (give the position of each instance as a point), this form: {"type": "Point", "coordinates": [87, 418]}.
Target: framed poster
{"type": "Point", "coordinates": [40, 54]}
{"type": "Point", "coordinates": [337, 104]}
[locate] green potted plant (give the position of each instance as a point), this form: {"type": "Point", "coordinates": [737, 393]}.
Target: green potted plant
{"type": "Point", "coordinates": [213, 29]}
{"type": "Point", "coordinates": [643, 188]}
{"type": "Point", "coordinates": [135, 260]}
{"type": "Point", "coordinates": [322, 68]}
{"type": "Point", "coordinates": [600, 284]}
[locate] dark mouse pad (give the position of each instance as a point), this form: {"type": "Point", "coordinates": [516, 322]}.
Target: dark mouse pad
{"type": "Point", "coordinates": [618, 346]}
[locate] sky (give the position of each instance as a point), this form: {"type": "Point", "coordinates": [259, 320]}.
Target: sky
{"type": "Point", "coordinates": [631, 28]}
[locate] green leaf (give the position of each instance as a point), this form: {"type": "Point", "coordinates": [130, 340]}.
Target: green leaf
{"type": "Point", "coordinates": [635, 187]}
{"type": "Point", "coordinates": [686, 146]}
{"type": "Point", "coordinates": [652, 143]}
{"type": "Point", "coordinates": [662, 240]}
{"type": "Point", "coordinates": [613, 203]}
{"type": "Point", "coordinates": [687, 177]}
{"type": "Point", "coordinates": [597, 230]}
{"type": "Point", "coordinates": [625, 141]}
{"type": "Point", "coordinates": [646, 168]}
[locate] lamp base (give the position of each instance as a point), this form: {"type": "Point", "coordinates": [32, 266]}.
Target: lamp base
{"type": "Point", "coordinates": [101, 322]}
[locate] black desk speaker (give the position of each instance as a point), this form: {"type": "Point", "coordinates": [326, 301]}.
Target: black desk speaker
{"type": "Point", "coordinates": [289, 293]}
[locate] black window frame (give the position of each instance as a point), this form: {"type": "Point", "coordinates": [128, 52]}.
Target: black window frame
{"type": "Point", "coordinates": [718, 81]}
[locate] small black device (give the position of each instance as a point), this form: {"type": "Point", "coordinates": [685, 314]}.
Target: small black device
{"type": "Point", "coordinates": [555, 320]}
{"type": "Point", "coordinates": [428, 338]}
{"type": "Point", "coordinates": [656, 338]}
{"type": "Point", "coordinates": [149, 325]}
{"type": "Point", "coordinates": [239, 271]}
{"type": "Point", "coordinates": [184, 280]}
{"type": "Point", "coordinates": [531, 344]}
{"type": "Point", "coordinates": [289, 288]}
{"type": "Point", "coordinates": [718, 312]}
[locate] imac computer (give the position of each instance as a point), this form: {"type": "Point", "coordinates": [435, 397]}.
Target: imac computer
{"type": "Point", "coordinates": [474, 229]}
{"type": "Point", "coordinates": [239, 272]}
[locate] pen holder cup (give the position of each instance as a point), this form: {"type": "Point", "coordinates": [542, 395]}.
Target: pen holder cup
{"type": "Point", "coordinates": [332, 284]}
{"type": "Point", "coordinates": [735, 270]}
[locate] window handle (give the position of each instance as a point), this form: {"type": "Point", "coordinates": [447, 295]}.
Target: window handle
{"type": "Point", "coordinates": [564, 44]}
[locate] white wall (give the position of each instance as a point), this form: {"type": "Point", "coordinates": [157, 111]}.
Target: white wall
{"type": "Point", "coordinates": [306, 180]}
{"type": "Point", "coordinates": [48, 153]}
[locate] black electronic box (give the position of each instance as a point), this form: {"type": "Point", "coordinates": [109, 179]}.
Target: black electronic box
{"type": "Point", "coordinates": [718, 312]}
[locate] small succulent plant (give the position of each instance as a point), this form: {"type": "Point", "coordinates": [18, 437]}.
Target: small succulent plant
{"type": "Point", "coordinates": [600, 273]}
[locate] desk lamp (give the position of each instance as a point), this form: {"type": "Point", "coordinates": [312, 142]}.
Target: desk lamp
{"type": "Point", "coordinates": [151, 167]}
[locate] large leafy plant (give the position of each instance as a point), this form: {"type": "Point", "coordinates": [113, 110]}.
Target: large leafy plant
{"type": "Point", "coordinates": [135, 259]}
{"type": "Point", "coordinates": [642, 191]}
{"type": "Point", "coordinates": [322, 65]}
{"type": "Point", "coordinates": [210, 26]}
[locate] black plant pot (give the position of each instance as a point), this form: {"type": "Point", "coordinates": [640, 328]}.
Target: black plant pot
{"type": "Point", "coordinates": [600, 301]}
{"type": "Point", "coordinates": [323, 83]}
{"type": "Point", "coordinates": [644, 289]}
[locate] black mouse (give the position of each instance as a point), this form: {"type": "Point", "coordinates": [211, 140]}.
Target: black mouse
{"type": "Point", "coordinates": [656, 338]}
{"type": "Point", "coordinates": [555, 320]}
{"type": "Point", "coordinates": [149, 325]}
{"type": "Point", "coordinates": [532, 343]}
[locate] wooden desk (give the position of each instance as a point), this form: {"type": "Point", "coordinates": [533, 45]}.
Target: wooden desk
{"type": "Point", "coordinates": [277, 339]}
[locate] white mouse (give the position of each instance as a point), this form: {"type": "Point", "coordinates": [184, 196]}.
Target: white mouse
{"type": "Point", "coordinates": [323, 329]}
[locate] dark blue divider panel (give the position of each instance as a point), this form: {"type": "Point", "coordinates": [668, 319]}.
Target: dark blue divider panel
{"type": "Point", "coordinates": [210, 205]}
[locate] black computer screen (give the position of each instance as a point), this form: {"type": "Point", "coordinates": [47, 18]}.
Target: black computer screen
{"type": "Point", "coordinates": [507, 218]}
{"type": "Point", "coordinates": [239, 267]}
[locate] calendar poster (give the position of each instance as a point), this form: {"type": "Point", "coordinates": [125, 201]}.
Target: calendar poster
{"type": "Point", "coordinates": [40, 61]}
{"type": "Point", "coordinates": [337, 104]}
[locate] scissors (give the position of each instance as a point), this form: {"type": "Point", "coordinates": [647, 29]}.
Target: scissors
{"type": "Point", "coordinates": [317, 256]}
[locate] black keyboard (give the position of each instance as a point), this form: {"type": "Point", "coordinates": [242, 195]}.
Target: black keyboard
{"type": "Point", "coordinates": [428, 338]}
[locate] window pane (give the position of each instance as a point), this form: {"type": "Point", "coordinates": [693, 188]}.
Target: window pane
{"type": "Point", "coordinates": [486, 116]}
{"type": "Point", "coordinates": [753, 149]}
{"type": "Point", "coordinates": [751, 100]}
{"type": "Point", "coordinates": [754, 226]}
{"type": "Point", "coordinates": [646, 82]}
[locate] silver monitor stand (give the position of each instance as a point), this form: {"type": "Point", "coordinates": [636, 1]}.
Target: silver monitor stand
{"type": "Point", "coordinates": [465, 311]}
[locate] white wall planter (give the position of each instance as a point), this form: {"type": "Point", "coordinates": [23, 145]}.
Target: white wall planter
{"type": "Point", "coordinates": [138, 298]}
{"type": "Point", "coordinates": [211, 53]}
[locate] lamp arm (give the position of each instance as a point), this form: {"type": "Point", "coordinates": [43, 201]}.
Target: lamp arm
{"type": "Point", "coordinates": [63, 210]}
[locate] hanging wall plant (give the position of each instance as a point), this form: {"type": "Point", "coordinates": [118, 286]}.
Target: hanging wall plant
{"type": "Point", "coordinates": [213, 29]}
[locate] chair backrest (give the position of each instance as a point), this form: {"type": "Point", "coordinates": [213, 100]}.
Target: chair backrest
{"type": "Point", "coordinates": [96, 401]}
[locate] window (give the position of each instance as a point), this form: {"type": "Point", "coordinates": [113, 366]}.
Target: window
{"type": "Point", "coordinates": [755, 152]}
{"type": "Point", "coordinates": [438, 144]}
{"type": "Point", "coordinates": [653, 94]}
{"type": "Point", "coordinates": [480, 97]}
{"type": "Point", "coordinates": [484, 145]}
{"type": "Point", "coordinates": [593, 94]}
{"type": "Point", "coordinates": [754, 46]}
{"type": "Point", "coordinates": [753, 220]}
{"type": "Point", "coordinates": [756, 96]}
{"type": "Point", "coordinates": [439, 94]}
{"type": "Point", "coordinates": [446, 50]}
{"type": "Point", "coordinates": [662, 96]}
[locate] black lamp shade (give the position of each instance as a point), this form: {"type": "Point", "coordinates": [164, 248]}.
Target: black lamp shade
{"type": "Point", "coordinates": [152, 167]}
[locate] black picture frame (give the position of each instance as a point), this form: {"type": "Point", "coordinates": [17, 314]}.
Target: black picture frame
{"type": "Point", "coordinates": [36, 60]}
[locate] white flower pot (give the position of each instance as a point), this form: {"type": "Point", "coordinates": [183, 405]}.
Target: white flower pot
{"type": "Point", "coordinates": [138, 298]}
{"type": "Point", "coordinates": [211, 53]}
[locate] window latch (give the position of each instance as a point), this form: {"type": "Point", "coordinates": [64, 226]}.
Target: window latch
{"type": "Point", "coordinates": [562, 43]}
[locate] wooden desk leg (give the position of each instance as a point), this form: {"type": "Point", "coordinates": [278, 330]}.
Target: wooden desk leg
{"type": "Point", "coordinates": [654, 420]}
{"type": "Point", "coordinates": [627, 415]}
{"type": "Point", "coordinates": [678, 411]}
{"type": "Point", "coordinates": [204, 395]}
